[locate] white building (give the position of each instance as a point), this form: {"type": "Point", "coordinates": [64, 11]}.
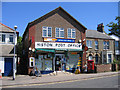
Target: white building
{"type": "Point", "coordinates": [7, 40]}
{"type": "Point", "coordinates": [117, 45]}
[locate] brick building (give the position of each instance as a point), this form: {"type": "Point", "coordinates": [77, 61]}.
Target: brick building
{"type": "Point", "coordinates": [54, 42]}
{"type": "Point", "coordinates": [101, 48]}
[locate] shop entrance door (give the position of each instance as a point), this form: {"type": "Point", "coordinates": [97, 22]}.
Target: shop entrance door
{"type": "Point", "coordinates": [59, 62]}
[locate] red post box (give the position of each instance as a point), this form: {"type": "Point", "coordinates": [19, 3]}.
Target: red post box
{"type": "Point", "coordinates": [90, 66]}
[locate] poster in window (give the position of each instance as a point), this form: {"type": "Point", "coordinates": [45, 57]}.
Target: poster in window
{"type": "Point", "coordinates": [45, 56]}
{"type": "Point", "coordinates": [31, 61]}
{"type": "Point", "coordinates": [38, 62]}
{"type": "Point", "coordinates": [48, 64]}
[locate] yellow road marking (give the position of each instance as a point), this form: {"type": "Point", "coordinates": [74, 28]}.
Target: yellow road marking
{"type": "Point", "coordinates": [59, 81]}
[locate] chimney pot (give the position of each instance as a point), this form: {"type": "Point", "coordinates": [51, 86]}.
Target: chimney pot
{"type": "Point", "coordinates": [100, 28]}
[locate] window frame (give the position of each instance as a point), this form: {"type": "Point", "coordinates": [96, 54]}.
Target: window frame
{"type": "Point", "coordinates": [46, 31]}
{"type": "Point", "coordinates": [89, 43]}
{"type": "Point", "coordinates": [96, 45]}
{"type": "Point", "coordinates": [59, 32]}
{"type": "Point", "coordinates": [90, 57]}
{"type": "Point", "coordinates": [109, 58]}
{"type": "Point", "coordinates": [71, 33]}
{"type": "Point", "coordinates": [116, 45]}
{"type": "Point", "coordinates": [96, 56]}
{"type": "Point", "coordinates": [13, 38]}
{"type": "Point", "coordinates": [106, 45]}
{"type": "Point", "coordinates": [2, 38]}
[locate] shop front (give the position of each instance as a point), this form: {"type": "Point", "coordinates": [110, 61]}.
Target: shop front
{"type": "Point", "coordinates": [50, 56]}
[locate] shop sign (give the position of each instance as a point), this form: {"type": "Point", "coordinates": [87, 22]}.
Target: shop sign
{"type": "Point", "coordinates": [58, 45]}
{"type": "Point", "coordinates": [86, 48]}
{"type": "Point", "coordinates": [73, 53]}
{"type": "Point", "coordinates": [59, 40]}
{"type": "Point", "coordinates": [50, 39]}
{"type": "Point", "coordinates": [66, 40]}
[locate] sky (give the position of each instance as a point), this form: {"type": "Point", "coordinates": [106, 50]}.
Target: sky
{"type": "Point", "coordinates": [89, 14]}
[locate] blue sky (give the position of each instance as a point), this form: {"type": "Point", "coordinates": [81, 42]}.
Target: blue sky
{"type": "Point", "coordinates": [90, 14]}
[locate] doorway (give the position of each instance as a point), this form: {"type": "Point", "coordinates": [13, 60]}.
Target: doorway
{"type": "Point", "coordinates": [60, 62]}
{"type": "Point", "coordinates": [8, 71]}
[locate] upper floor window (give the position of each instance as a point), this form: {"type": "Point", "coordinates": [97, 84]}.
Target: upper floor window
{"type": "Point", "coordinates": [71, 33]}
{"type": "Point", "coordinates": [2, 37]}
{"type": "Point", "coordinates": [96, 45]}
{"type": "Point", "coordinates": [89, 43]}
{"type": "Point", "coordinates": [11, 38]}
{"type": "Point", "coordinates": [59, 32]}
{"type": "Point", "coordinates": [106, 45]}
{"type": "Point", "coordinates": [47, 31]}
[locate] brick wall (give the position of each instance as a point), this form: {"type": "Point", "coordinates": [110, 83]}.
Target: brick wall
{"type": "Point", "coordinates": [105, 67]}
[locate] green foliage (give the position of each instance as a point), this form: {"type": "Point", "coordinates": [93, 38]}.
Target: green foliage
{"type": "Point", "coordinates": [19, 46]}
{"type": "Point", "coordinates": [115, 27]}
{"type": "Point", "coordinates": [115, 61]}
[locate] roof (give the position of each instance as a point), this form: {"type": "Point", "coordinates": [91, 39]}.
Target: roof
{"type": "Point", "coordinates": [96, 34]}
{"type": "Point", "coordinates": [115, 37]}
{"type": "Point", "coordinates": [55, 10]}
{"type": "Point", "coordinates": [7, 50]}
{"type": "Point", "coordinates": [49, 14]}
{"type": "Point", "coordinates": [4, 28]}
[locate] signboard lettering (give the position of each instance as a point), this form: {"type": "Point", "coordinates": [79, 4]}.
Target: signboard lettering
{"type": "Point", "coordinates": [58, 45]}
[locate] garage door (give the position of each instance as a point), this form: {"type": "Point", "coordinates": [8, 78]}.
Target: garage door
{"type": "Point", "coordinates": [8, 67]}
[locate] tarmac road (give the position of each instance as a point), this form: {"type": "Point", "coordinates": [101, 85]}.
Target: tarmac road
{"type": "Point", "coordinates": [97, 82]}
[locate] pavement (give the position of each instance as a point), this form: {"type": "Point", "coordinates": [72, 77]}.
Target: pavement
{"type": "Point", "coordinates": [53, 77]}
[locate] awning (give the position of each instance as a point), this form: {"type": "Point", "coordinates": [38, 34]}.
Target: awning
{"type": "Point", "coordinates": [74, 50]}
{"type": "Point", "coordinates": [61, 49]}
{"type": "Point", "coordinates": [46, 50]}
{"type": "Point", "coordinates": [53, 50]}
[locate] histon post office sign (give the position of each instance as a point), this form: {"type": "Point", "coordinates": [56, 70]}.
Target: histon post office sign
{"type": "Point", "coordinates": [58, 45]}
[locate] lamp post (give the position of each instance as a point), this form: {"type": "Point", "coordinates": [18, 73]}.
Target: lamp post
{"type": "Point", "coordinates": [14, 62]}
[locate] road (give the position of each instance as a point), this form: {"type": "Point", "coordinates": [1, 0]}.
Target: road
{"type": "Point", "coordinates": [98, 82]}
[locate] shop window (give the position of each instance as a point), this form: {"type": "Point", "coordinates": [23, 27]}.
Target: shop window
{"type": "Point", "coordinates": [11, 38]}
{"type": "Point", "coordinates": [106, 45]}
{"type": "Point", "coordinates": [59, 32]}
{"type": "Point", "coordinates": [96, 45]}
{"type": "Point", "coordinates": [47, 31]}
{"type": "Point", "coordinates": [71, 33]}
{"type": "Point", "coordinates": [31, 62]}
{"type": "Point", "coordinates": [89, 43]}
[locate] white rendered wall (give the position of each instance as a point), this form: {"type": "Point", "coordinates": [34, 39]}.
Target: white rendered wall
{"type": "Point", "coordinates": [2, 64]}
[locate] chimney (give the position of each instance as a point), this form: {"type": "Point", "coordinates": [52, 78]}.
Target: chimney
{"type": "Point", "coordinates": [100, 28]}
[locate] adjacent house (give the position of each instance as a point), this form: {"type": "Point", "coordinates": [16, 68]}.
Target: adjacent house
{"type": "Point", "coordinates": [7, 40]}
{"type": "Point", "coordinates": [54, 42]}
{"type": "Point", "coordinates": [117, 45]}
{"type": "Point", "coordinates": [100, 47]}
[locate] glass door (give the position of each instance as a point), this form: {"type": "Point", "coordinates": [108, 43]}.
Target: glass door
{"type": "Point", "coordinates": [59, 62]}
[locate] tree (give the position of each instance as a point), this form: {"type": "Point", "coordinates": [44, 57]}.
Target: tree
{"type": "Point", "coordinates": [19, 46]}
{"type": "Point", "coordinates": [115, 27]}
{"type": "Point", "coordinates": [19, 53]}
